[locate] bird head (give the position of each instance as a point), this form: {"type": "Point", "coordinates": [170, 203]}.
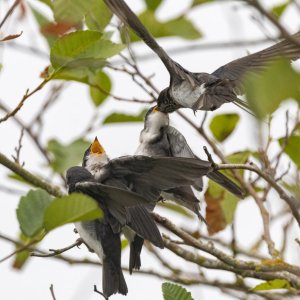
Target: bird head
{"type": "Point", "coordinates": [75, 175]}
{"type": "Point", "coordinates": [165, 102]}
{"type": "Point", "coordinates": [94, 156]}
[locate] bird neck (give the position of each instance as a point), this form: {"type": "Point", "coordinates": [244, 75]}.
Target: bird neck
{"type": "Point", "coordinates": [95, 162]}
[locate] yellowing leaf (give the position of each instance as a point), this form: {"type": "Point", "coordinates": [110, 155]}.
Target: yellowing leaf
{"type": "Point", "coordinates": [273, 285]}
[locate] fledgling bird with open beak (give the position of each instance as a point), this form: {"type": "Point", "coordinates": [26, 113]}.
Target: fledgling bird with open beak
{"type": "Point", "coordinates": [204, 91]}
{"type": "Point", "coordinates": [146, 176]}
{"type": "Point", "coordinates": [120, 208]}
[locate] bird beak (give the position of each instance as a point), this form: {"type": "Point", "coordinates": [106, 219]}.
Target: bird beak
{"type": "Point", "coordinates": [96, 147]}
{"type": "Point", "coordinates": [155, 109]}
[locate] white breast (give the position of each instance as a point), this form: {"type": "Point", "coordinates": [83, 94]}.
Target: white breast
{"type": "Point", "coordinates": [90, 238]}
{"type": "Point", "coordinates": [186, 95]}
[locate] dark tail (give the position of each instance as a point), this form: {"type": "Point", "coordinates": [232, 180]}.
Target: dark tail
{"type": "Point", "coordinates": [135, 253]}
{"type": "Point", "coordinates": [226, 183]}
{"type": "Point", "coordinates": [140, 221]}
{"type": "Point", "coordinates": [113, 280]}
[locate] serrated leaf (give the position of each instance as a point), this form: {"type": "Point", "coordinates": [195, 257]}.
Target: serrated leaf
{"type": "Point", "coordinates": [69, 209]}
{"type": "Point", "coordinates": [273, 285]}
{"type": "Point", "coordinates": [82, 49]}
{"type": "Point", "coordinates": [66, 156]}
{"type": "Point", "coordinates": [153, 4]}
{"type": "Point", "coordinates": [292, 148]}
{"type": "Point", "coordinates": [278, 82]}
{"type": "Point", "coordinates": [30, 211]}
{"type": "Point", "coordinates": [120, 118]}
{"type": "Point", "coordinates": [72, 11]}
{"type": "Point", "coordinates": [173, 291]}
{"type": "Point", "coordinates": [104, 83]}
{"type": "Point", "coordinates": [98, 16]}
{"type": "Point", "coordinates": [223, 125]}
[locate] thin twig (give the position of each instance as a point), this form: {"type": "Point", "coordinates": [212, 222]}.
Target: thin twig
{"type": "Point", "coordinates": [10, 11]}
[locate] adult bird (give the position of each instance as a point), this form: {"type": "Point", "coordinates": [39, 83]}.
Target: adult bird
{"type": "Point", "coordinates": [144, 175]}
{"type": "Point", "coordinates": [204, 91]}
{"type": "Point", "coordinates": [120, 208]}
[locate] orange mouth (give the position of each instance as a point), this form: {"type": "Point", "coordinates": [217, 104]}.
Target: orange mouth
{"type": "Point", "coordinates": [96, 147]}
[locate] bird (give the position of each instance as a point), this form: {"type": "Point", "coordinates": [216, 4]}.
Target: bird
{"type": "Point", "coordinates": [144, 175]}
{"type": "Point", "coordinates": [158, 138]}
{"type": "Point", "coordinates": [204, 91]}
{"type": "Point", "coordinates": [120, 208]}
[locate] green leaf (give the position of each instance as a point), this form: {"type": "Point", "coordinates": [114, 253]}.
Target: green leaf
{"type": "Point", "coordinates": [273, 285]}
{"type": "Point", "coordinates": [69, 209]}
{"type": "Point", "coordinates": [278, 82]}
{"type": "Point", "coordinates": [228, 206]}
{"type": "Point", "coordinates": [223, 125]}
{"type": "Point", "coordinates": [66, 156]}
{"type": "Point", "coordinates": [22, 257]}
{"type": "Point", "coordinates": [279, 9]}
{"type": "Point", "coordinates": [292, 148]}
{"type": "Point", "coordinates": [82, 49]}
{"type": "Point", "coordinates": [98, 16]}
{"type": "Point", "coordinates": [47, 2]}
{"type": "Point", "coordinates": [104, 83]}
{"type": "Point", "coordinates": [182, 27]}
{"type": "Point", "coordinates": [177, 27]}
{"type": "Point", "coordinates": [173, 291]}
{"type": "Point", "coordinates": [71, 11]}
{"type": "Point", "coordinates": [30, 211]}
{"type": "Point", "coordinates": [120, 118]}
{"type": "Point", "coordinates": [124, 244]}
{"type": "Point", "coordinates": [153, 4]}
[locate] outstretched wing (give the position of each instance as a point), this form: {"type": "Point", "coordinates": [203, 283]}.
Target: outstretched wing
{"type": "Point", "coordinates": [128, 17]}
{"type": "Point", "coordinates": [148, 176]}
{"type": "Point", "coordinates": [235, 70]}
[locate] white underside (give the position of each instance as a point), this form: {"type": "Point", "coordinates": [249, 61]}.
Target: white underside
{"type": "Point", "coordinates": [90, 239]}
{"type": "Point", "coordinates": [186, 95]}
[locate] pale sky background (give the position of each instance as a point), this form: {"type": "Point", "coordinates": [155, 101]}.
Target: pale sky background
{"type": "Point", "coordinates": [67, 119]}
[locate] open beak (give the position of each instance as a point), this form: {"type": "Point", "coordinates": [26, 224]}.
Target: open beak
{"type": "Point", "coordinates": [96, 147]}
{"type": "Point", "coordinates": [155, 109]}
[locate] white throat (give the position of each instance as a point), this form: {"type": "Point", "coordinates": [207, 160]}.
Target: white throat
{"type": "Point", "coordinates": [95, 162]}
{"type": "Point", "coordinates": [154, 123]}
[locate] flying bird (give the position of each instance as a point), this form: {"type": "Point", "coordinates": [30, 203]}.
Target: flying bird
{"type": "Point", "coordinates": [144, 175]}
{"type": "Point", "coordinates": [120, 208]}
{"type": "Point", "coordinates": [204, 91]}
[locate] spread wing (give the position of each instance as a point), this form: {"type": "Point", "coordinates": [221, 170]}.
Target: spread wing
{"type": "Point", "coordinates": [128, 17]}
{"type": "Point", "coordinates": [235, 70]}
{"type": "Point", "coordinates": [180, 148]}
{"type": "Point", "coordinates": [148, 176]}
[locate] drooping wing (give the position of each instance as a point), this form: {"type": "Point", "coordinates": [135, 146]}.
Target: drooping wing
{"type": "Point", "coordinates": [127, 207]}
{"type": "Point", "coordinates": [180, 148]}
{"type": "Point", "coordinates": [128, 17]}
{"type": "Point", "coordinates": [148, 176]}
{"type": "Point", "coordinates": [235, 70]}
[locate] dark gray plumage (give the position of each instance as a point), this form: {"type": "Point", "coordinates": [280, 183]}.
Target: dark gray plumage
{"type": "Point", "coordinates": [159, 139]}
{"type": "Point", "coordinates": [143, 175]}
{"type": "Point", "coordinates": [203, 91]}
{"type": "Point", "coordinates": [121, 208]}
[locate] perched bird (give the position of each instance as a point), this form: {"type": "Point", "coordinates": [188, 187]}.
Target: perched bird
{"type": "Point", "coordinates": [120, 208]}
{"type": "Point", "coordinates": [204, 91]}
{"type": "Point", "coordinates": [158, 138]}
{"type": "Point", "coordinates": [144, 175]}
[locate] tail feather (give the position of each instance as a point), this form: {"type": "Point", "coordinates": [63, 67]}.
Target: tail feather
{"type": "Point", "coordinates": [135, 253]}
{"type": "Point", "coordinates": [140, 221]}
{"type": "Point", "coordinates": [113, 280]}
{"type": "Point", "coordinates": [225, 182]}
